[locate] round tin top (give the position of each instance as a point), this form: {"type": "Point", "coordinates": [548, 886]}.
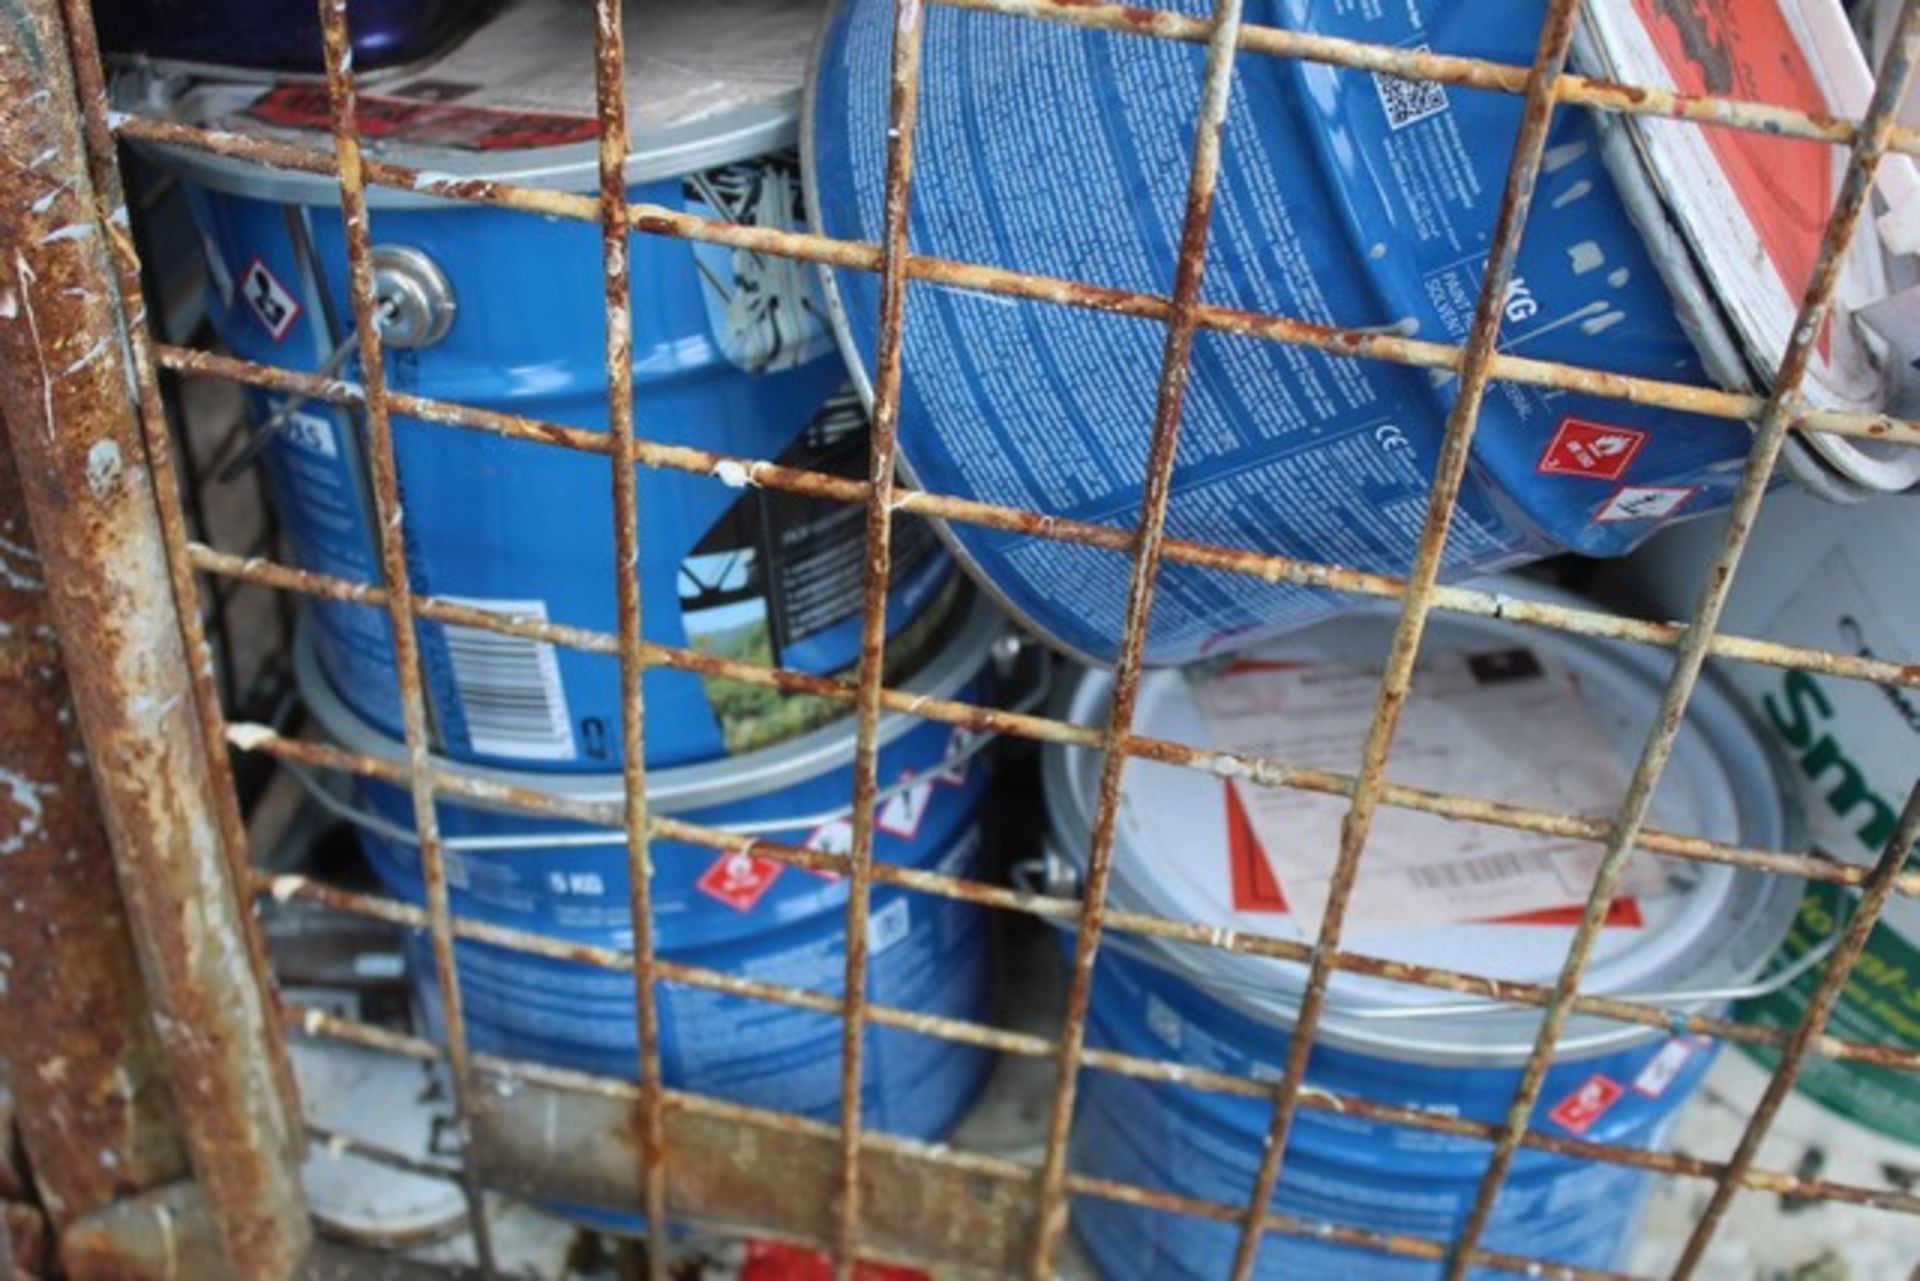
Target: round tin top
{"type": "Point", "coordinates": [1750, 207]}
{"type": "Point", "coordinates": [685, 789]}
{"type": "Point", "coordinates": [396, 1103]}
{"type": "Point", "coordinates": [707, 84]}
{"type": "Point", "coordinates": [1702, 927]}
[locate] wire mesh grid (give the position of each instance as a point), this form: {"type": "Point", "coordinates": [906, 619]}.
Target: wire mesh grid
{"type": "Point", "coordinates": [1545, 86]}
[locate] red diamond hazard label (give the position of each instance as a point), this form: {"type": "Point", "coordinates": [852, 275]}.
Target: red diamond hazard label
{"type": "Point", "coordinates": [739, 879]}
{"type": "Point", "coordinates": [273, 304]}
{"type": "Point", "coordinates": [1595, 1097]}
{"type": "Point", "coordinates": [1581, 448]}
{"type": "Point", "coordinates": [1645, 502]}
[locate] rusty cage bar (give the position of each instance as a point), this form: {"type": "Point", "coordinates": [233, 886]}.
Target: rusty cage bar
{"type": "Point", "coordinates": [115, 541]}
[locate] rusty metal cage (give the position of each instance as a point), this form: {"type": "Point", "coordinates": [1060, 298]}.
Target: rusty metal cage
{"type": "Point", "coordinates": [81, 370]}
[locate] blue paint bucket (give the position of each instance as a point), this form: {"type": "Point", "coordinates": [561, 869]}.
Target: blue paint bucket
{"type": "Point", "coordinates": [1345, 198]}
{"type": "Point", "coordinates": [1196, 847]}
{"type": "Point", "coordinates": [736, 914]}
{"type": "Point", "coordinates": [504, 311]}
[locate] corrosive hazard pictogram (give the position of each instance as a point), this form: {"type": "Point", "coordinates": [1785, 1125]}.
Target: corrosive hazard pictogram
{"type": "Point", "coordinates": [1593, 1100]}
{"type": "Point", "coordinates": [739, 879]}
{"type": "Point", "coordinates": [1581, 448]}
{"type": "Point", "coordinates": [272, 303]}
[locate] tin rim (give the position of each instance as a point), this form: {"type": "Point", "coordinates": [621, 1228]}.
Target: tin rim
{"type": "Point", "coordinates": [1696, 307]}
{"type": "Point", "coordinates": [1734, 935]}
{"type": "Point", "coordinates": [655, 154]}
{"type": "Point", "coordinates": [678, 789]}
{"type": "Point", "coordinates": [856, 363]}
{"type": "Point", "coordinates": [1838, 468]}
{"type": "Point", "coordinates": [662, 154]}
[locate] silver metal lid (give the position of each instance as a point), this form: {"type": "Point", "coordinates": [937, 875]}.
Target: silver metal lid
{"type": "Point", "coordinates": [1712, 928]}
{"type": "Point", "coordinates": [537, 55]}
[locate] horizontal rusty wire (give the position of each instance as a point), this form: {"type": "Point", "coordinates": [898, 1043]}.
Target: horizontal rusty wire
{"type": "Point", "coordinates": [1268, 567]}
{"type": "Point", "coordinates": [293, 887]}
{"type": "Point", "coordinates": [319, 1023]}
{"type": "Point", "coordinates": [865, 256]}
{"type": "Point", "coordinates": [1452, 69]}
{"type": "Point", "coordinates": [1852, 203]}
{"type": "Point", "coordinates": [455, 784]}
{"type": "Point", "coordinates": [1262, 770]}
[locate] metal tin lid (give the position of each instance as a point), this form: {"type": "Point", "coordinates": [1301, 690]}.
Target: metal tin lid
{"type": "Point", "coordinates": [686, 788]}
{"type": "Point", "coordinates": [707, 84]}
{"type": "Point", "coordinates": [1702, 927]}
{"type": "Point", "coordinates": [1750, 207]}
{"type": "Point", "coordinates": [399, 1104]}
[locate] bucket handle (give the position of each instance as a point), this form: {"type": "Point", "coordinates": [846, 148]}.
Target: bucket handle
{"type": "Point", "coordinates": [1052, 875]}
{"type": "Point", "coordinates": [511, 842]}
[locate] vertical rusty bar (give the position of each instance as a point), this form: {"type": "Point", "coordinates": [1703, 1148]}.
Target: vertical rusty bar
{"type": "Point", "coordinates": [95, 1115]}
{"type": "Point", "coordinates": [1550, 58]}
{"type": "Point", "coordinates": [111, 198]}
{"type": "Point", "coordinates": [1784, 405]}
{"type": "Point", "coordinates": [903, 111]}
{"type": "Point", "coordinates": [1837, 970]}
{"type": "Point", "coordinates": [610, 73]}
{"type": "Point", "coordinates": [1209, 126]}
{"type": "Point", "coordinates": [393, 569]}
{"type": "Point", "coordinates": [65, 392]}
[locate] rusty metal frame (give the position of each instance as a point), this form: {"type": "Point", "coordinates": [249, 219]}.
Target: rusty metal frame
{"type": "Point", "coordinates": [661, 1119]}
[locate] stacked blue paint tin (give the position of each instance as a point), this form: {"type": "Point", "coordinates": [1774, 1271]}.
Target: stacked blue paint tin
{"type": "Point", "coordinates": [505, 311]}
{"type": "Point", "coordinates": [1433, 892]}
{"type": "Point", "coordinates": [1358, 201]}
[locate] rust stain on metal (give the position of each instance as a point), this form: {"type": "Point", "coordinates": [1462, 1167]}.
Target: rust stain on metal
{"type": "Point", "coordinates": [385, 485]}
{"type": "Point", "coordinates": [95, 1113]}
{"type": "Point", "coordinates": [1785, 403]}
{"type": "Point", "coordinates": [471, 787]}
{"type": "Point", "coordinates": [290, 887]}
{"type": "Point", "coordinates": [610, 78]}
{"type": "Point", "coordinates": [111, 204]}
{"type": "Point", "coordinates": [70, 410]}
{"type": "Point", "coordinates": [903, 100]}
{"type": "Point", "coordinates": [1476, 372]}
{"type": "Point", "coordinates": [1833, 979]}
{"type": "Point", "coordinates": [1147, 545]}
{"type": "Point", "coordinates": [861, 256]}
{"type": "Point", "coordinates": [1269, 568]}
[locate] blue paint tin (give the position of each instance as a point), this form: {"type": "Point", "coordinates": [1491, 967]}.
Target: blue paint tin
{"type": "Point", "coordinates": [739, 915]}
{"type": "Point", "coordinates": [1345, 198]}
{"type": "Point", "coordinates": [505, 311]}
{"type": "Point", "coordinates": [1691, 938]}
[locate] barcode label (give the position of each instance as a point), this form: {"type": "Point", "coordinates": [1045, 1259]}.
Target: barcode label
{"type": "Point", "coordinates": [1509, 865]}
{"type": "Point", "coordinates": [509, 687]}
{"type": "Point", "coordinates": [1409, 101]}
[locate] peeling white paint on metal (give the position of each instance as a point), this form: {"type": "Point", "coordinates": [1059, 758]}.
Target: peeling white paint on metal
{"type": "Point", "coordinates": [25, 794]}
{"type": "Point", "coordinates": [103, 467]}
{"type": "Point", "coordinates": [249, 735]}
{"type": "Point", "coordinates": [72, 231]}
{"type": "Point", "coordinates": [93, 353]}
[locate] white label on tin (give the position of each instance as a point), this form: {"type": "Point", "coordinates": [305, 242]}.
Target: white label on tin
{"type": "Point", "coordinates": [509, 686]}
{"type": "Point", "coordinates": [1508, 725]}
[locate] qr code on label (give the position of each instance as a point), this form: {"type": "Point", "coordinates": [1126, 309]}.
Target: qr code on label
{"type": "Point", "coordinates": [1409, 101]}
